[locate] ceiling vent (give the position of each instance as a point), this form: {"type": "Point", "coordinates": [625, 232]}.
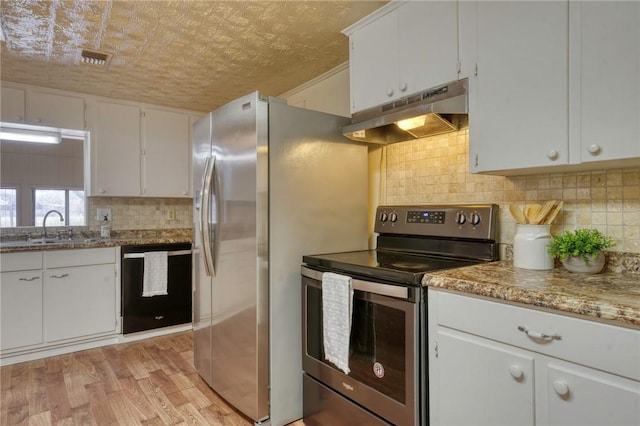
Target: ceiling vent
{"type": "Point", "coordinates": [93, 58]}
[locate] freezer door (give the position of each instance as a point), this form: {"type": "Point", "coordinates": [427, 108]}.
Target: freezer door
{"type": "Point", "coordinates": [239, 331]}
{"type": "Point", "coordinates": [201, 146]}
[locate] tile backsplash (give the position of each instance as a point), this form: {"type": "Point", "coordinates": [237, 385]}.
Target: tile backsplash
{"type": "Point", "coordinates": [435, 170]}
{"type": "Point", "coordinates": [142, 213]}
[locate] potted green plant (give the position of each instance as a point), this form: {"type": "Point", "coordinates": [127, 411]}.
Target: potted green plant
{"type": "Point", "coordinates": [581, 250]}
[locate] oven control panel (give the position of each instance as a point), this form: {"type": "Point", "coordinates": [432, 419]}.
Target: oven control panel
{"type": "Point", "coordinates": [425, 216]}
{"type": "Point", "coordinates": [454, 221]}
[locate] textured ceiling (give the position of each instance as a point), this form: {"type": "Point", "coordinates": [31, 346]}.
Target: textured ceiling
{"type": "Point", "coordinates": [185, 54]}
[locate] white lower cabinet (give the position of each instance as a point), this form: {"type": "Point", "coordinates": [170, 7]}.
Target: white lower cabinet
{"type": "Point", "coordinates": [20, 309]}
{"type": "Point", "coordinates": [497, 364]}
{"type": "Point", "coordinates": [21, 290]}
{"type": "Point", "coordinates": [476, 375]}
{"type": "Point", "coordinates": [57, 298]}
{"type": "Point", "coordinates": [79, 301]}
{"type": "Point", "coordinates": [581, 396]}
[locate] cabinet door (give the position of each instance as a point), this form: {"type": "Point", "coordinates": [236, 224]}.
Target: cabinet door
{"type": "Point", "coordinates": [373, 62]}
{"type": "Point", "coordinates": [79, 301]}
{"type": "Point", "coordinates": [167, 153]}
{"type": "Point", "coordinates": [115, 157]}
{"type": "Point", "coordinates": [609, 80]}
{"type": "Point", "coordinates": [582, 396]}
{"type": "Point", "coordinates": [480, 382]}
{"type": "Point", "coordinates": [13, 104]}
{"type": "Point", "coordinates": [55, 110]}
{"type": "Point", "coordinates": [21, 309]}
{"type": "Point", "coordinates": [519, 105]}
{"type": "Point", "coordinates": [427, 45]}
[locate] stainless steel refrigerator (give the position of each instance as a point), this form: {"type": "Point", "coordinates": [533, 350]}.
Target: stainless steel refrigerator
{"type": "Point", "coordinates": [272, 182]}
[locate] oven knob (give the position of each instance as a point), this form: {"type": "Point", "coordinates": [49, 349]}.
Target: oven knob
{"type": "Point", "coordinates": [475, 219]}
{"type": "Point", "coordinates": [393, 217]}
{"type": "Point", "coordinates": [460, 218]}
{"type": "Point", "coordinates": [383, 217]}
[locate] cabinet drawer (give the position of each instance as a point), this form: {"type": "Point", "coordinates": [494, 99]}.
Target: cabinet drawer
{"type": "Point", "coordinates": [20, 261]}
{"type": "Point", "coordinates": [94, 256]}
{"type": "Point", "coordinates": [602, 346]}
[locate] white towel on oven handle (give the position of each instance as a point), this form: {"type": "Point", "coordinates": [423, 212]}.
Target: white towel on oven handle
{"type": "Point", "coordinates": [154, 280]}
{"type": "Point", "coordinates": [337, 306]}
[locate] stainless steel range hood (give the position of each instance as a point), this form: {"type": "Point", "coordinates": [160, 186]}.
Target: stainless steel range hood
{"type": "Point", "coordinates": [438, 110]}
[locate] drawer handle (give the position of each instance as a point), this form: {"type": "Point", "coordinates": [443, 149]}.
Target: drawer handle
{"type": "Point", "coordinates": [28, 279]}
{"type": "Point", "coordinates": [537, 335]}
{"type": "Point", "coordinates": [159, 317]}
{"type": "Point", "coordinates": [59, 276]}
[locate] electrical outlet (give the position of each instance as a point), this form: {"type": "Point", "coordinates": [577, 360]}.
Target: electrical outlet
{"type": "Point", "coordinates": [101, 213]}
{"type": "Point", "coordinates": [171, 214]}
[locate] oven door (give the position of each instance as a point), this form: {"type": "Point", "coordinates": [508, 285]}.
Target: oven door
{"type": "Point", "coordinates": [384, 350]}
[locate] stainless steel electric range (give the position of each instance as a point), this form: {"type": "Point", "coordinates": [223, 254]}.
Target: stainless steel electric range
{"type": "Point", "coordinates": [387, 379]}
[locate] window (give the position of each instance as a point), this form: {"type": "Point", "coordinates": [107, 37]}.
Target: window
{"type": "Point", "coordinates": [8, 207]}
{"type": "Point", "coordinates": [70, 203]}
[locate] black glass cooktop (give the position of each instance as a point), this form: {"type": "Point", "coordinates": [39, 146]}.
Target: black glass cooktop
{"type": "Point", "coordinates": [401, 268]}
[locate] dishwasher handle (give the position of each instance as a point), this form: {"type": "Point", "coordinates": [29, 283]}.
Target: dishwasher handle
{"type": "Point", "coordinates": [169, 253]}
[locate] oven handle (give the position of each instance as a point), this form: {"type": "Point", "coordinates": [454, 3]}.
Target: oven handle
{"type": "Point", "coordinates": [365, 286]}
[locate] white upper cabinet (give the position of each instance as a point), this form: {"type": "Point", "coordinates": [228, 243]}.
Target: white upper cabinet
{"type": "Point", "coordinates": [115, 149]}
{"type": "Point", "coordinates": [45, 108]}
{"type": "Point", "coordinates": [605, 55]}
{"type": "Point", "coordinates": [166, 153]}
{"type": "Point", "coordinates": [518, 103]}
{"type": "Point", "coordinates": [42, 107]}
{"type": "Point", "coordinates": [13, 104]}
{"type": "Point", "coordinates": [402, 48]}
{"type": "Point", "coordinates": [140, 151]}
{"type": "Point", "coordinates": [557, 84]}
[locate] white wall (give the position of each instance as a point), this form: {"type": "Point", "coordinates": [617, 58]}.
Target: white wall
{"type": "Point", "coordinates": [329, 92]}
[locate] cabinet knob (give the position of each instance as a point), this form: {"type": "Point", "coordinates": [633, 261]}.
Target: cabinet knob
{"type": "Point", "coordinates": [594, 149]}
{"type": "Point", "coordinates": [403, 87]}
{"type": "Point", "coordinates": [389, 92]}
{"type": "Point", "coordinates": [19, 118]}
{"type": "Point", "coordinates": [516, 372]}
{"type": "Point", "coordinates": [552, 154]}
{"type": "Point", "coordinates": [102, 191]}
{"type": "Point", "coordinates": [561, 387]}
{"type": "Point", "coordinates": [37, 120]}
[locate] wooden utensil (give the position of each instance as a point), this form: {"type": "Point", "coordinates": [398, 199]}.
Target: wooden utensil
{"type": "Point", "coordinates": [552, 215]}
{"type": "Point", "coordinates": [517, 214]}
{"type": "Point", "coordinates": [543, 212]}
{"type": "Point", "coordinates": [531, 212]}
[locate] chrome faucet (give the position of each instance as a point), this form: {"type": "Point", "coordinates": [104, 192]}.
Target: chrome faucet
{"type": "Point", "coordinates": [44, 222]}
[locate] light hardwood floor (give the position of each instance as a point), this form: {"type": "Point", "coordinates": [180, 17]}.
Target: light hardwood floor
{"type": "Point", "coordinates": [149, 382]}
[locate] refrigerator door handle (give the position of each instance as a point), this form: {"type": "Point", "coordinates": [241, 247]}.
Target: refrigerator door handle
{"type": "Point", "coordinates": [205, 224]}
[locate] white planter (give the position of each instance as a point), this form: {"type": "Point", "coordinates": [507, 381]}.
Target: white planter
{"type": "Point", "coordinates": [576, 264]}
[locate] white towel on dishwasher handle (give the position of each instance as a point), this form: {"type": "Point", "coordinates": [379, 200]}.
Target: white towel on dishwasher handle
{"type": "Point", "coordinates": [154, 280]}
{"type": "Point", "coordinates": [337, 306]}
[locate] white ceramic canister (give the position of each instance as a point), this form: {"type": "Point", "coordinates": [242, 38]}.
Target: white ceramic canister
{"type": "Point", "coordinates": [530, 247]}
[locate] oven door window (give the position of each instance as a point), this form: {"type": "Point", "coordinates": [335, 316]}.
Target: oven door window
{"type": "Point", "coordinates": [381, 341]}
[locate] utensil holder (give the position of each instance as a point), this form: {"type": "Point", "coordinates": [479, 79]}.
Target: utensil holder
{"type": "Point", "coordinates": [530, 247]}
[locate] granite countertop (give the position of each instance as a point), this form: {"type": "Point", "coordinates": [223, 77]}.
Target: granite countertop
{"type": "Point", "coordinates": [123, 238]}
{"type": "Point", "coordinates": [611, 297]}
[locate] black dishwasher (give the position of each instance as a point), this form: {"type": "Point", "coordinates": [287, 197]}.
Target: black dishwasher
{"type": "Point", "coordinates": [145, 313]}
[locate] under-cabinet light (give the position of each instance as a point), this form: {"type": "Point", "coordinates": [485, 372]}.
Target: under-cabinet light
{"type": "Point", "coordinates": [31, 136]}
{"type": "Point", "coordinates": [412, 123]}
